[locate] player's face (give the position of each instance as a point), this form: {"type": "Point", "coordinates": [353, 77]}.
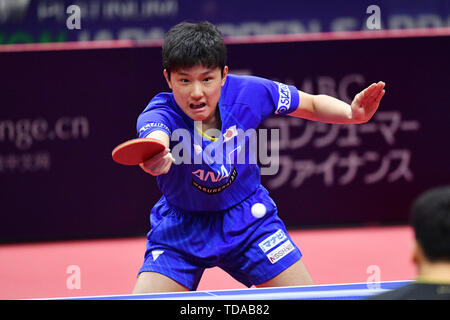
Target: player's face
{"type": "Point", "coordinates": [197, 90]}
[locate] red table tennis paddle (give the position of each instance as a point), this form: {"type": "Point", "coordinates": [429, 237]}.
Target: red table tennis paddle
{"type": "Point", "coordinates": [135, 151]}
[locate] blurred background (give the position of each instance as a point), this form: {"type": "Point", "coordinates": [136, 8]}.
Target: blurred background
{"type": "Point", "coordinates": [37, 21]}
{"type": "Point", "coordinates": [74, 76]}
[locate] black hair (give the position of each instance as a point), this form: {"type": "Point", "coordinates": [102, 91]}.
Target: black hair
{"type": "Point", "coordinates": [430, 218]}
{"type": "Point", "coordinates": [189, 44]}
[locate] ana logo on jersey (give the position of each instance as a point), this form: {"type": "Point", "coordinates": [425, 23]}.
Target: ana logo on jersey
{"type": "Point", "coordinates": [214, 190]}
{"type": "Point", "coordinates": [211, 175]}
{"type": "Point", "coordinates": [217, 176]}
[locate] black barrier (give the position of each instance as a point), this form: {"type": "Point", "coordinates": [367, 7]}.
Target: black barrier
{"type": "Point", "coordinates": [62, 112]}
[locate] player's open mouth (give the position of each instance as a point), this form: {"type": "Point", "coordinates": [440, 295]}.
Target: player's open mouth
{"type": "Point", "coordinates": [197, 106]}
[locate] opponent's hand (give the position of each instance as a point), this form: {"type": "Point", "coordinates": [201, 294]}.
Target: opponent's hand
{"type": "Point", "coordinates": [159, 164]}
{"type": "Point", "coordinates": [367, 101]}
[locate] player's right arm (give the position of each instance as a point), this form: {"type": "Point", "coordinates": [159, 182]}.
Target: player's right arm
{"type": "Point", "coordinates": [160, 163]}
{"type": "Point", "coordinates": [156, 122]}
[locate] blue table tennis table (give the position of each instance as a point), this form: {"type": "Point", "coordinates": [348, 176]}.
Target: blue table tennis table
{"type": "Point", "coordinates": [349, 291]}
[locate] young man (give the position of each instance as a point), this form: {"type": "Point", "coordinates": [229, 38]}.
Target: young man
{"type": "Point", "coordinates": [204, 217]}
{"type": "Point", "coordinates": [430, 219]}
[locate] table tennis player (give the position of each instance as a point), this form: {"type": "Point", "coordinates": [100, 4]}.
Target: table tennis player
{"type": "Point", "coordinates": [204, 217]}
{"type": "Point", "coordinates": [430, 221]}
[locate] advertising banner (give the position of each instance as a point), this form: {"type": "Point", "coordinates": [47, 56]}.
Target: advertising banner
{"type": "Point", "coordinates": [27, 21]}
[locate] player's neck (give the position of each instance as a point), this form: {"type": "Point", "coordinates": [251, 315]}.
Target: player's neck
{"type": "Point", "coordinates": [213, 122]}
{"type": "Point", "coordinates": [435, 272]}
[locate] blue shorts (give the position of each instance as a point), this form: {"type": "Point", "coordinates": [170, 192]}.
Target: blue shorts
{"type": "Point", "coordinates": [252, 250]}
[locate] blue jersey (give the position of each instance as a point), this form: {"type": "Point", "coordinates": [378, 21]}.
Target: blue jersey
{"type": "Point", "coordinates": [200, 182]}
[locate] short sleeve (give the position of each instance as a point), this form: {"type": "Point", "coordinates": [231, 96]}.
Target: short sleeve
{"type": "Point", "coordinates": [282, 98]}
{"type": "Point", "coordinates": [288, 98]}
{"type": "Point", "coordinates": [269, 97]}
{"type": "Point", "coordinates": [155, 117]}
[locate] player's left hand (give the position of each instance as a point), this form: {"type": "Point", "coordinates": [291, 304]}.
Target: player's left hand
{"type": "Point", "coordinates": [367, 101]}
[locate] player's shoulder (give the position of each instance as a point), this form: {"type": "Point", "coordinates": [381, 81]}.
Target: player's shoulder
{"type": "Point", "coordinates": [244, 88]}
{"type": "Point", "coordinates": [162, 108]}
{"type": "Point", "coordinates": [160, 113]}
{"type": "Point", "coordinates": [163, 100]}
{"type": "Point", "coordinates": [242, 81]}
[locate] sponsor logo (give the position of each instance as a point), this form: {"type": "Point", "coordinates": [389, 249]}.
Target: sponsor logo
{"type": "Point", "coordinates": [211, 175]}
{"type": "Point", "coordinates": [284, 101]}
{"type": "Point", "coordinates": [280, 252]}
{"type": "Point", "coordinates": [215, 190]}
{"type": "Point", "coordinates": [272, 241]}
{"type": "Point", "coordinates": [153, 125]}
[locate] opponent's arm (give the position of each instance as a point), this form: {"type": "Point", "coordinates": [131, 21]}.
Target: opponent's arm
{"type": "Point", "coordinates": [331, 110]}
{"type": "Point", "coordinates": [160, 163]}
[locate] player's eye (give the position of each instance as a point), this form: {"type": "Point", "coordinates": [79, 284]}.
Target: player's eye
{"type": "Point", "coordinates": [208, 79]}
{"type": "Point", "coordinates": [184, 80]}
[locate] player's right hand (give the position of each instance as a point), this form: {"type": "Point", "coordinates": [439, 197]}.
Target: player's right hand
{"type": "Point", "coordinates": [159, 164]}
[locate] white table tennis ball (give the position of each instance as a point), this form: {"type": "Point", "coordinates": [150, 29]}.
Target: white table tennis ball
{"type": "Point", "coordinates": [258, 210]}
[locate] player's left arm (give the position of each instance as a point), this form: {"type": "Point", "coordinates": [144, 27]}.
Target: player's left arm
{"type": "Point", "coordinates": [327, 109]}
